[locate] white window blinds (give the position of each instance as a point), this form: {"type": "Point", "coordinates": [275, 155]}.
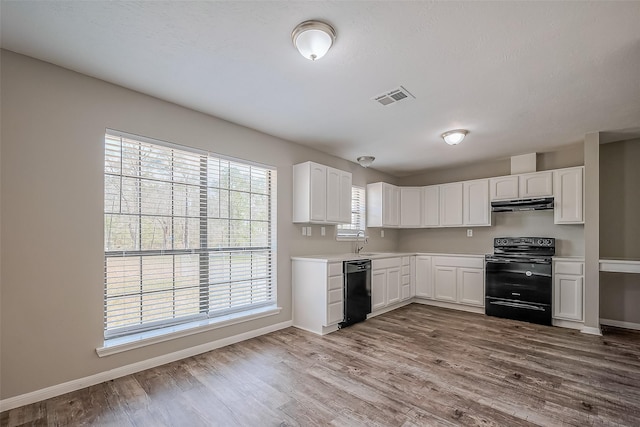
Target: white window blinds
{"type": "Point", "coordinates": [358, 216]}
{"type": "Point", "coordinates": [187, 235]}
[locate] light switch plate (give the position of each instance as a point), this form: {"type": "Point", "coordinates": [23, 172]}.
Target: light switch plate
{"type": "Point", "coordinates": [469, 232]}
{"type": "Point", "coordinates": [308, 231]}
{"type": "Point", "coordinates": [323, 231]}
{"type": "Point", "coordinates": [304, 231]}
{"type": "Point", "coordinates": [381, 233]}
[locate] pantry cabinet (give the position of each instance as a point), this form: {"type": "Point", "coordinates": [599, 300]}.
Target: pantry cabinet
{"type": "Point", "coordinates": [321, 194]}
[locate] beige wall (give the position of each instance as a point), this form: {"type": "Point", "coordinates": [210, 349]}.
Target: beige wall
{"type": "Point", "coordinates": [570, 238]}
{"type": "Point", "coordinates": [52, 199]}
{"type": "Point", "coordinates": [620, 228]}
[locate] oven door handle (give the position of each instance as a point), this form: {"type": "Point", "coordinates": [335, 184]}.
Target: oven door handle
{"type": "Point", "coordinates": [517, 305]}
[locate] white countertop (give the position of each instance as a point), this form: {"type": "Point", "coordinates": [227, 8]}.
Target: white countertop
{"type": "Point", "coordinates": [381, 255]}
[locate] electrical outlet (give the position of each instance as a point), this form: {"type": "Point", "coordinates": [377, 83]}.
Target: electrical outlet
{"type": "Point", "coordinates": [381, 233]}
{"type": "Point", "coordinates": [469, 232]}
{"type": "Point", "coordinates": [323, 231]}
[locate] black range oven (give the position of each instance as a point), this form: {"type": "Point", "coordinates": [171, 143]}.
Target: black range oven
{"type": "Point", "coordinates": [518, 279]}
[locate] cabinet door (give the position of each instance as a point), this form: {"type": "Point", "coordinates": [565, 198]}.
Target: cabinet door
{"type": "Point", "coordinates": [378, 289]}
{"type": "Point", "coordinates": [333, 195]}
{"type": "Point", "coordinates": [475, 204]}
{"type": "Point", "coordinates": [393, 285]}
{"type": "Point", "coordinates": [535, 184]}
{"type": "Point", "coordinates": [346, 182]}
{"type": "Point", "coordinates": [424, 282]}
{"type": "Point", "coordinates": [374, 204]}
{"type": "Point", "coordinates": [431, 206]}
{"type": "Point", "coordinates": [445, 286]}
{"type": "Point", "coordinates": [318, 192]}
{"type": "Point", "coordinates": [451, 204]}
{"type": "Point", "coordinates": [568, 297]}
{"type": "Point", "coordinates": [471, 286]}
{"type": "Point", "coordinates": [568, 196]}
{"type": "Point", "coordinates": [503, 188]}
{"type": "Point", "coordinates": [391, 205]}
{"type": "Point", "coordinates": [410, 207]}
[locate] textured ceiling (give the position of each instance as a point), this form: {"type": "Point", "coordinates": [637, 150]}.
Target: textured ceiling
{"type": "Point", "coordinates": [520, 76]}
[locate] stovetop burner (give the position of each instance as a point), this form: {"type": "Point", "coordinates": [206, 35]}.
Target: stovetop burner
{"type": "Point", "coordinates": [523, 249]}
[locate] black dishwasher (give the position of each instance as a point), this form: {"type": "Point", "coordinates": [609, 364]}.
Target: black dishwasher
{"type": "Point", "coordinates": [357, 291]}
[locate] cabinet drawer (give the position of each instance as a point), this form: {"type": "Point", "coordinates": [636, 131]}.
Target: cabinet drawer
{"type": "Point", "coordinates": [336, 282]}
{"type": "Point", "coordinates": [335, 296]}
{"type": "Point", "coordinates": [406, 269]}
{"type": "Point", "coordinates": [458, 261]}
{"type": "Point", "coordinates": [335, 313]}
{"type": "Point", "coordinates": [562, 267]}
{"type": "Point", "coordinates": [406, 279]}
{"type": "Point", "coordinates": [335, 268]}
{"type": "Point", "coordinates": [405, 260]}
{"type": "Point", "coordinates": [378, 264]}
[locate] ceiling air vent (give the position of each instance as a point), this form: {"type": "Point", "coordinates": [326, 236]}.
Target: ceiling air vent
{"type": "Point", "coordinates": [393, 96]}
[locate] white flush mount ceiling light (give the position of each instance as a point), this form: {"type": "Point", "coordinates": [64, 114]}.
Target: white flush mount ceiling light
{"type": "Point", "coordinates": [366, 161]}
{"type": "Point", "coordinates": [454, 137]}
{"type": "Point", "coordinates": [313, 39]}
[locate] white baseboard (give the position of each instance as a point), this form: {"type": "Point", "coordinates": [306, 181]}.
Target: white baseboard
{"type": "Point", "coordinates": [389, 308]}
{"type": "Point", "coordinates": [451, 305]}
{"type": "Point", "coordinates": [590, 330]}
{"type": "Point", "coordinates": [69, 386]}
{"type": "Point", "coordinates": [620, 324]}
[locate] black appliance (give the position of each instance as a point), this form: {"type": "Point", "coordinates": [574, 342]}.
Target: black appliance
{"type": "Point", "coordinates": [518, 281]}
{"type": "Point", "coordinates": [357, 291]}
{"type": "Point", "coordinates": [538, 204]}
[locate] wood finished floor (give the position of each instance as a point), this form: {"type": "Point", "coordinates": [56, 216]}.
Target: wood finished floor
{"type": "Point", "coordinates": [414, 366]}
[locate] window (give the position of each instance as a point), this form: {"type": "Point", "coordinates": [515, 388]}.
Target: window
{"type": "Point", "coordinates": [188, 235]}
{"type": "Point", "coordinates": [358, 217]}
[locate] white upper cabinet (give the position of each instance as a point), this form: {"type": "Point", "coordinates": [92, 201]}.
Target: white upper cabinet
{"type": "Point", "coordinates": [410, 207]}
{"type": "Point", "coordinates": [504, 187]}
{"type": "Point", "coordinates": [476, 207]}
{"type": "Point", "coordinates": [451, 204]}
{"type": "Point", "coordinates": [383, 205]}
{"type": "Point", "coordinates": [523, 186]}
{"type": "Point", "coordinates": [431, 206]}
{"type": "Point", "coordinates": [321, 194]}
{"type": "Point", "coordinates": [338, 196]}
{"type": "Point", "coordinates": [568, 195]}
{"type": "Point", "coordinates": [535, 184]}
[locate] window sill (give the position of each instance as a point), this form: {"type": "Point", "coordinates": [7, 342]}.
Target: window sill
{"type": "Point", "coordinates": [143, 339]}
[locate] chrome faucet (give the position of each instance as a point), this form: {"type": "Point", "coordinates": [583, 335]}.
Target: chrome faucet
{"type": "Point", "coordinates": [358, 247]}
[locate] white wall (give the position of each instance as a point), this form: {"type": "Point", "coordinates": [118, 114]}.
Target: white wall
{"type": "Point", "coordinates": [52, 215]}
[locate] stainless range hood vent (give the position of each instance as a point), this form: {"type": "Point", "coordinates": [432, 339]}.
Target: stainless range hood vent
{"type": "Point", "coordinates": [539, 204]}
{"type": "Point", "coordinates": [393, 96]}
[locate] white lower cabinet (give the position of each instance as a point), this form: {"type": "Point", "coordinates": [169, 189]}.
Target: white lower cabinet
{"type": "Point", "coordinates": [385, 282]}
{"type": "Point", "coordinates": [568, 290]}
{"type": "Point", "coordinates": [318, 289]}
{"type": "Point", "coordinates": [456, 279]}
{"type": "Point", "coordinates": [424, 276]}
{"type": "Point", "coordinates": [407, 290]}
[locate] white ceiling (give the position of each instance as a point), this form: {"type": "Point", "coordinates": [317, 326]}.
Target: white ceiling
{"type": "Point", "coordinates": [520, 76]}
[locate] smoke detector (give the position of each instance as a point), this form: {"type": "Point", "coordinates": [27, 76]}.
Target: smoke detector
{"type": "Point", "coordinates": [393, 96]}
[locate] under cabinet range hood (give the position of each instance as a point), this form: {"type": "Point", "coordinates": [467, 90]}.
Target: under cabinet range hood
{"type": "Point", "coordinates": [537, 204]}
